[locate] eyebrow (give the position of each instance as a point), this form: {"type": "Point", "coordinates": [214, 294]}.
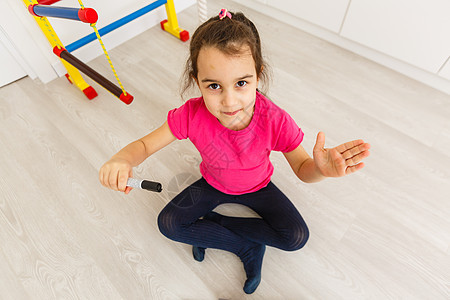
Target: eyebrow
{"type": "Point", "coordinates": [237, 79]}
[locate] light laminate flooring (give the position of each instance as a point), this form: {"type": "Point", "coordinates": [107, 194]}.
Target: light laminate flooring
{"type": "Point", "coordinates": [382, 233]}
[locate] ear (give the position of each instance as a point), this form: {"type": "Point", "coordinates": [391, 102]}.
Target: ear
{"type": "Point", "coordinates": [196, 80]}
{"type": "Point", "coordinates": [259, 76]}
{"type": "Point", "coordinates": [260, 72]}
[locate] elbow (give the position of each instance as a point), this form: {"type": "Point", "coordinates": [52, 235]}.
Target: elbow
{"type": "Point", "coordinates": [145, 148]}
{"type": "Point", "coordinates": [144, 151]}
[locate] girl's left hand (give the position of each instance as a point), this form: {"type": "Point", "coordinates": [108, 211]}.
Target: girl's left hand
{"type": "Point", "coordinates": [341, 160]}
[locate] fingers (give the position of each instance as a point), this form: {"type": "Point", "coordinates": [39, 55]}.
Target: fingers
{"type": "Point", "coordinates": [350, 145]}
{"type": "Point", "coordinates": [104, 176]}
{"type": "Point", "coordinates": [128, 190]}
{"type": "Point", "coordinates": [353, 169]}
{"type": "Point", "coordinates": [357, 158]}
{"type": "Point", "coordinates": [114, 175]}
{"type": "Point", "coordinates": [122, 179]}
{"type": "Point", "coordinates": [355, 151]}
{"type": "Point", "coordinates": [339, 162]}
{"type": "Point", "coordinates": [348, 150]}
{"type": "Point", "coordinates": [348, 157]}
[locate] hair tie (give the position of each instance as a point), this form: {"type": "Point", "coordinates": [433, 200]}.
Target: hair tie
{"type": "Point", "coordinates": [224, 13]}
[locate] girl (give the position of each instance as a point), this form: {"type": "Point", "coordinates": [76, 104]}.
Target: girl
{"type": "Point", "coordinates": [234, 127]}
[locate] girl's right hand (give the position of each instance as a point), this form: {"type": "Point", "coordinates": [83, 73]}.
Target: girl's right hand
{"type": "Point", "coordinates": [114, 174]}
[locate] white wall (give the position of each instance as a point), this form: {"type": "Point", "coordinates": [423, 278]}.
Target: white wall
{"type": "Point", "coordinates": [409, 36]}
{"type": "Point", "coordinates": [325, 13]}
{"type": "Point", "coordinates": [11, 69]}
{"type": "Point", "coordinates": [445, 71]}
{"type": "Point", "coordinates": [32, 45]}
{"type": "Point", "coordinates": [416, 32]}
{"type": "Point", "coordinates": [27, 40]}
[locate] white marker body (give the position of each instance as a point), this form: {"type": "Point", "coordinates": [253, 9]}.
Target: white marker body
{"type": "Point", "coordinates": [134, 183]}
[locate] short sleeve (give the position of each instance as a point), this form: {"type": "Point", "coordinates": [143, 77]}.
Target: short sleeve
{"type": "Point", "coordinates": [289, 136]}
{"type": "Point", "coordinates": [178, 120]}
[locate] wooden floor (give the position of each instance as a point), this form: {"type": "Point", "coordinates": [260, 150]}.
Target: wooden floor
{"type": "Point", "coordinates": [383, 233]}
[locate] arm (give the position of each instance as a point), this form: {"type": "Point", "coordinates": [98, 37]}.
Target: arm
{"type": "Point", "coordinates": [115, 172]}
{"type": "Point", "coordinates": [303, 165]}
{"type": "Point", "coordinates": [331, 162]}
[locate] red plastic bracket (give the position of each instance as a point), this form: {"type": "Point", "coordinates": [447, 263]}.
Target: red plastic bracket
{"type": "Point", "coordinates": [126, 99]}
{"type": "Point", "coordinates": [57, 50]}
{"type": "Point", "coordinates": [184, 36]}
{"type": "Point", "coordinates": [31, 9]}
{"type": "Point", "coordinates": [68, 78]}
{"type": "Point", "coordinates": [162, 24]}
{"type": "Point", "coordinates": [88, 15]}
{"type": "Point", "coordinates": [47, 2]}
{"type": "Point", "coordinates": [90, 92]}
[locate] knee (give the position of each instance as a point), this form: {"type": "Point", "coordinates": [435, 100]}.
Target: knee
{"type": "Point", "coordinates": [297, 239]}
{"type": "Point", "coordinates": [168, 224]}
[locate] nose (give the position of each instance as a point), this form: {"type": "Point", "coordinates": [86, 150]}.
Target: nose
{"type": "Point", "coordinates": [229, 99]}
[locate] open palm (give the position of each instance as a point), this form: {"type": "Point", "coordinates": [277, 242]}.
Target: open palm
{"type": "Point", "coordinates": [341, 160]}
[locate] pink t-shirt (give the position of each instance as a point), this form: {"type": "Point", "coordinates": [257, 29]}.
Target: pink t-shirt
{"type": "Point", "coordinates": [236, 162]}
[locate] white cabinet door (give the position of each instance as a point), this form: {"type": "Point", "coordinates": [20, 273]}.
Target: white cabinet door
{"type": "Point", "coordinates": [416, 32]}
{"type": "Point", "coordinates": [10, 70]}
{"type": "Point", "coordinates": [324, 13]}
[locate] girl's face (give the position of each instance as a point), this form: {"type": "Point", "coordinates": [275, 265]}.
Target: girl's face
{"type": "Point", "coordinates": [228, 84]}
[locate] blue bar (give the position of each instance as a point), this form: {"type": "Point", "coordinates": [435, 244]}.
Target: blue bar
{"type": "Point", "coordinates": [108, 28]}
{"type": "Point", "coordinates": [57, 12]}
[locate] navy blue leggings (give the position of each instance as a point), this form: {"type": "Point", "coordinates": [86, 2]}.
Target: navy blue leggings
{"type": "Point", "coordinates": [280, 225]}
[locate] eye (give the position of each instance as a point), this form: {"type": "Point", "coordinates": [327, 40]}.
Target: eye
{"type": "Point", "coordinates": [241, 83]}
{"type": "Point", "coordinates": [214, 86]}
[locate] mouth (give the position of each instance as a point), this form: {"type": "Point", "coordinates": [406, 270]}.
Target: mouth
{"type": "Point", "coordinates": [231, 113]}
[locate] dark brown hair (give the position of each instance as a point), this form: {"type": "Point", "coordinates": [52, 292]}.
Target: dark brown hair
{"type": "Point", "coordinates": [229, 36]}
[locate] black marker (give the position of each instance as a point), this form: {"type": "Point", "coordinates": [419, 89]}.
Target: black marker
{"type": "Point", "coordinates": [145, 185]}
